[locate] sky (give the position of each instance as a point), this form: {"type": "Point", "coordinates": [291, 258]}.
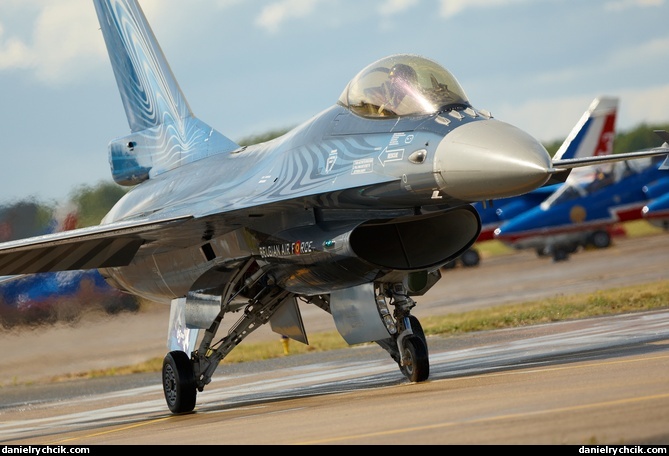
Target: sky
{"type": "Point", "coordinates": [248, 67]}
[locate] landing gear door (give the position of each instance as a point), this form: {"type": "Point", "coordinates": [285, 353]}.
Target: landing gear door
{"type": "Point", "coordinates": [287, 321]}
{"type": "Point", "coordinates": [356, 314]}
{"type": "Point", "coordinates": [180, 336]}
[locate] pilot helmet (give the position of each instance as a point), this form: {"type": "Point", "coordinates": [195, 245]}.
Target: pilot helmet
{"type": "Point", "coordinates": [403, 72]}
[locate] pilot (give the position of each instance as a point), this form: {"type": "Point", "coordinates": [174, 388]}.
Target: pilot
{"type": "Point", "coordinates": [401, 78]}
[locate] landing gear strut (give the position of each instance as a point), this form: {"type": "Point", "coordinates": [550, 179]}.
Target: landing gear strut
{"type": "Point", "coordinates": [184, 376]}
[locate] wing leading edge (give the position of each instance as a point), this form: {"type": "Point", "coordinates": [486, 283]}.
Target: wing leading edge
{"type": "Point", "coordinates": [570, 163]}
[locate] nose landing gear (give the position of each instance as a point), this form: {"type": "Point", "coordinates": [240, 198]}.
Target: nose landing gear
{"type": "Point", "coordinates": [408, 345]}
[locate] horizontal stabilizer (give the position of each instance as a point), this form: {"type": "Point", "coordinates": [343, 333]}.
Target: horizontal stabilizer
{"type": "Point", "coordinates": [664, 136]}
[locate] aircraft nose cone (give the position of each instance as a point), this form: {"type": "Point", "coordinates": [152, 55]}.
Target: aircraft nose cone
{"type": "Point", "coordinates": [490, 159]}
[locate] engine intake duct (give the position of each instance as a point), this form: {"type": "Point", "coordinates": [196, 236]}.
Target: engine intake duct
{"type": "Point", "coordinates": [417, 242]}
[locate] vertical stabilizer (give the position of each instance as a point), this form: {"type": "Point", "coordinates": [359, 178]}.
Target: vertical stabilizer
{"type": "Point", "coordinates": [594, 133]}
{"type": "Point", "coordinates": [165, 134]}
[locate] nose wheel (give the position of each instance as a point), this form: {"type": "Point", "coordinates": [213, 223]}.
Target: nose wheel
{"type": "Point", "coordinates": [415, 364]}
{"type": "Point", "coordinates": [408, 345]}
{"type": "Point", "coordinates": [179, 382]}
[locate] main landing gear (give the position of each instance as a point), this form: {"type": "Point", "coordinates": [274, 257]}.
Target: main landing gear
{"type": "Point", "coordinates": [184, 376]}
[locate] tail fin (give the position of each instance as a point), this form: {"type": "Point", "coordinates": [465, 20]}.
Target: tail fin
{"type": "Point", "coordinates": [594, 132]}
{"type": "Point", "coordinates": [592, 135]}
{"type": "Point", "coordinates": [165, 134]}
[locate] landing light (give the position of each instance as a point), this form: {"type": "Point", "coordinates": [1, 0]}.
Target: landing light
{"type": "Point", "coordinates": [385, 315]}
{"type": "Point", "coordinates": [418, 156]}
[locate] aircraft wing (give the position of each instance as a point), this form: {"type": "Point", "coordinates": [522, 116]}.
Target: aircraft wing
{"type": "Point", "coordinates": [98, 246]}
{"type": "Point", "coordinates": [562, 167]}
{"type": "Point", "coordinates": [570, 163]}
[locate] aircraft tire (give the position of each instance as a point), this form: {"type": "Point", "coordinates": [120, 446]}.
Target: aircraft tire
{"type": "Point", "coordinates": [417, 368]}
{"type": "Point", "coordinates": [600, 239]}
{"type": "Point", "coordinates": [542, 252]}
{"type": "Point", "coordinates": [560, 254]}
{"type": "Point", "coordinates": [179, 382]}
{"type": "Point", "coordinates": [417, 329]}
{"type": "Point", "coordinates": [470, 258]}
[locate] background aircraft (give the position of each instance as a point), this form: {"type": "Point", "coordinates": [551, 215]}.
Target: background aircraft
{"type": "Point", "coordinates": [51, 296]}
{"type": "Point", "coordinates": [657, 211]}
{"type": "Point", "coordinates": [582, 213]}
{"type": "Point", "coordinates": [353, 211]}
{"type": "Point", "coordinates": [592, 135]}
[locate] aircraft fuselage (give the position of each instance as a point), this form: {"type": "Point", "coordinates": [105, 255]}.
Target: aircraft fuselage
{"type": "Point", "coordinates": [341, 199]}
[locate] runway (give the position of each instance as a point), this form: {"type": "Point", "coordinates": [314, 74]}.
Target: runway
{"type": "Point", "coordinates": [595, 381]}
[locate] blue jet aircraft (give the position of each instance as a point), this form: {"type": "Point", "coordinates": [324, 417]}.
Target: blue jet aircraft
{"type": "Point", "coordinates": [52, 296]}
{"type": "Point", "coordinates": [582, 213]}
{"type": "Point", "coordinates": [657, 211]}
{"type": "Point", "coordinates": [353, 211]}
{"type": "Point", "coordinates": [593, 134]}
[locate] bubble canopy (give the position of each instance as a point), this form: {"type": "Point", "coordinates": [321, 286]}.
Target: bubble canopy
{"type": "Point", "coordinates": [402, 85]}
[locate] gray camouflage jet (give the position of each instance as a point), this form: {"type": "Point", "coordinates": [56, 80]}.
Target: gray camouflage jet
{"type": "Point", "coordinates": [353, 211]}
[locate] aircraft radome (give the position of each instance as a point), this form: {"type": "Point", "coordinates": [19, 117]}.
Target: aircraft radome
{"type": "Point", "coordinates": [353, 211]}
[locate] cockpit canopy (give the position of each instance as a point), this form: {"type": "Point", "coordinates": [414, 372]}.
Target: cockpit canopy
{"type": "Point", "coordinates": [402, 85]}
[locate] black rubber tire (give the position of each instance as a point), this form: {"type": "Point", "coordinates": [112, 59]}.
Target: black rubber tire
{"type": "Point", "coordinates": [600, 239]}
{"type": "Point", "coordinates": [470, 258]}
{"type": "Point", "coordinates": [417, 329]}
{"type": "Point", "coordinates": [417, 367]}
{"type": "Point", "coordinates": [560, 254]}
{"type": "Point", "coordinates": [179, 382]}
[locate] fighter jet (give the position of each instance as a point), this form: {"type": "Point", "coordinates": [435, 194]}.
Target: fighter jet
{"type": "Point", "coordinates": [353, 211]}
